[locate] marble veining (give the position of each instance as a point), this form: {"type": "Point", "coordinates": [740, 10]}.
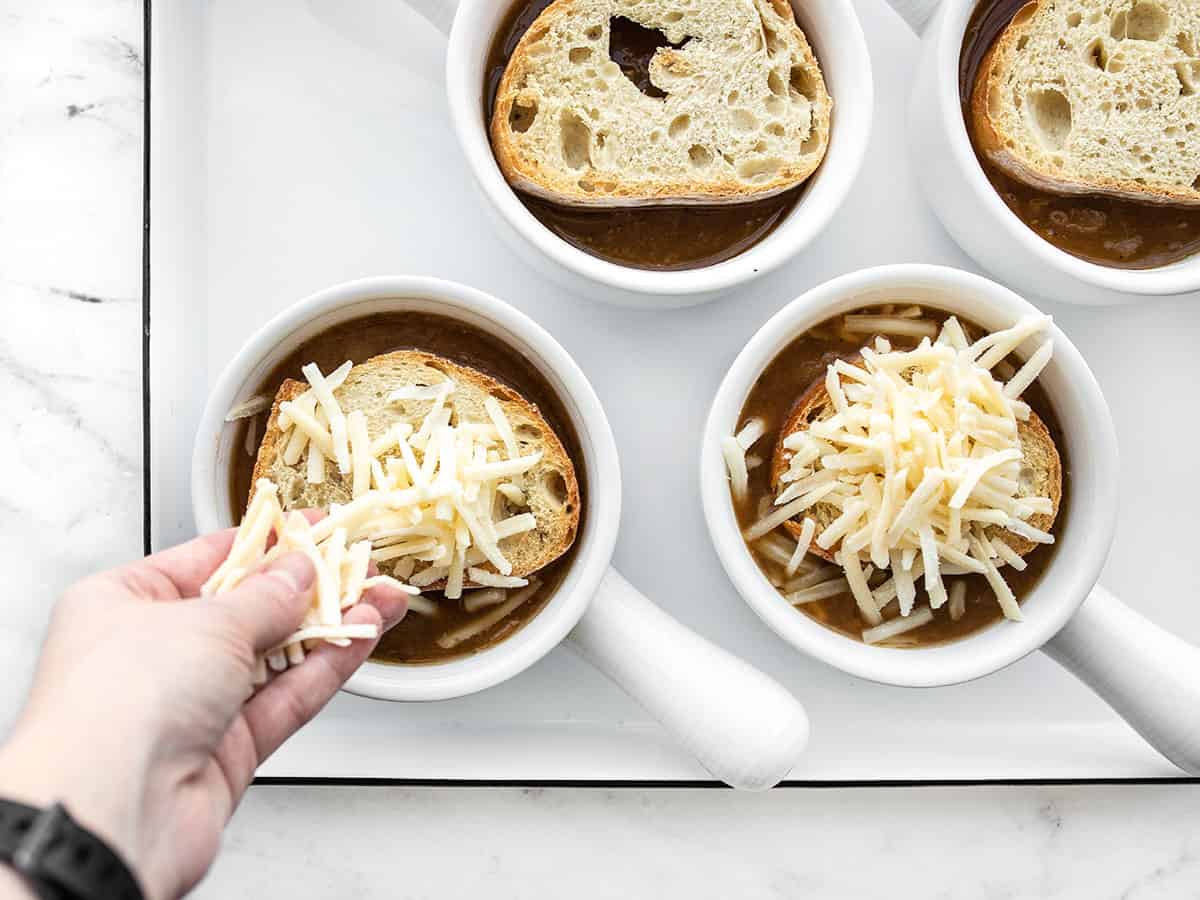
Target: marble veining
{"type": "Point", "coordinates": [70, 415]}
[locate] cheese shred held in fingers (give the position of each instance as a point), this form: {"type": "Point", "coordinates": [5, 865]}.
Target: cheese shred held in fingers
{"type": "Point", "coordinates": [340, 576]}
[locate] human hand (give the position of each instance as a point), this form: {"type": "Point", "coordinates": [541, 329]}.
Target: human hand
{"type": "Point", "coordinates": [142, 718]}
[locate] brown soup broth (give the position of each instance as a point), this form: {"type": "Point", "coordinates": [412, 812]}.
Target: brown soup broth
{"type": "Point", "coordinates": [1123, 234]}
{"type": "Point", "coordinates": [414, 640]}
{"type": "Point", "coordinates": [773, 398]}
{"type": "Point", "coordinates": [664, 238]}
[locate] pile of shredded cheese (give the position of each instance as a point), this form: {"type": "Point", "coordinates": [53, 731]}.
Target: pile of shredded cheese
{"type": "Point", "coordinates": [921, 455]}
{"type": "Point", "coordinates": [426, 498]}
{"type": "Point", "coordinates": [427, 501]}
{"type": "Point", "coordinates": [342, 575]}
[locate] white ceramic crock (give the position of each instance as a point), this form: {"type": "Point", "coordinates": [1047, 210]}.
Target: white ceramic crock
{"type": "Point", "coordinates": [742, 726]}
{"type": "Point", "coordinates": [837, 38]}
{"type": "Point", "coordinates": [976, 217]}
{"type": "Point", "coordinates": [1149, 676]}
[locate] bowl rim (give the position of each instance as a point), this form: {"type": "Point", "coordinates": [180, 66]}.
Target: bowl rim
{"type": "Point", "coordinates": [824, 195]}
{"type": "Point", "coordinates": [1060, 591]}
{"type": "Point", "coordinates": [463, 675]}
{"type": "Point", "coordinates": [1180, 277]}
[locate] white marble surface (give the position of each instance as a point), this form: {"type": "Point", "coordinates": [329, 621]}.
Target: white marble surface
{"type": "Point", "coordinates": [70, 399]}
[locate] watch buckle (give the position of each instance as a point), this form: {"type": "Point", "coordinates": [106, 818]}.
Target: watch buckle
{"type": "Point", "coordinates": [39, 840]}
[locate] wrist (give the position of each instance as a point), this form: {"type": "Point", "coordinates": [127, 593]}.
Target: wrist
{"type": "Point", "coordinates": [13, 887]}
{"type": "Point", "coordinates": [99, 790]}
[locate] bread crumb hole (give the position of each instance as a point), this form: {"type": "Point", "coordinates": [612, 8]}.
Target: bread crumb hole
{"type": "Point", "coordinates": [556, 487]}
{"type": "Point", "coordinates": [776, 84]}
{"type": "Point", "coordinates": [774, 44]}
{"type": "Point", "coordinates": [1074, 20]}
{"type": "Point", "coordinates": [521, 114]}
{"type": "Point", "coordinates": [586, 186]}
{"type": "Point", "coordinates": [527, 433]}
{"type": "Point", "coordinates": [776, 130]}
{"type": "Point", "coordinates": [1188, 74]}
{"type": "Point", "coordinates": [803, 83]}
{"type": "Point", "coordinates": [1022, 42]}
{"type": "Point", "coordinates": [761, 169]}
{"type": "Point", "coordinates": [679, 125]}
{"type": "Point", "coordinates": [733, 97]}
{"type": "Point", "coordinates": [675, 16]}
{"type": "Point", "coordinates": [575, 140]}
{"type": "Point", "coordinates": [1196, 184]}
{"type": "Point", "coordinates": [1148, 21]}
{"type": "Point", "coordinates": [1185, 43]}
{"type": "Point", "coordinates": [700, 156]}
{"type": "Point", "coordinates": [580, 54]}
{"type": "Point", "coordinates": [1117, 27]}
{"type": "Point", "coordinates": [811, 144]}
{"type": "Point", "coordinates": [593, 33]}
{"type": "Point", "coordinates": [623, 32]}
{"type": "Point", "coordinates": [744, 120]}
{"type": "Point", "coordinates": [1115, 64]}
{"type": "Point", "coordinates": [775, 106]}
{"type": "Point", "coordinates": [1051, 111]}
{"type": "Point", "coordinates": [995, 102]}
{"type": "Point", "coordinates": [1097, 54]}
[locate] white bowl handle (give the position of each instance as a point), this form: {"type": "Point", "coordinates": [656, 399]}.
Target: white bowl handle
{"type": "Point", "coordinates": [744, 727]}
{"type": "Point", "coordinates": [440, 13]}
{"type": "Point", "coordinates": [1145, 673]}
{"type": "Point", "coordinates": [916, 13]}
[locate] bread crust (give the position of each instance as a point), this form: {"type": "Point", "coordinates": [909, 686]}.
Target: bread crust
{"type": "Point", "coordinates": [557, 522]}
{"type": "Point", "coordinates": [1037, 446]}
{"type": "Point", "coordinates": [999, 147]}
{"type": "Point", "coordinates": [525, 171]}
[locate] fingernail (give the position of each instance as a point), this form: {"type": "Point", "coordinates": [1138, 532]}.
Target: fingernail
{"type": "Point", "coordinates": [295, 570]}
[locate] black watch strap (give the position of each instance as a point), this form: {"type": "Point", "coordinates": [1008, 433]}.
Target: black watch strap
{"type": "Point", "coordinates": [61, 859]}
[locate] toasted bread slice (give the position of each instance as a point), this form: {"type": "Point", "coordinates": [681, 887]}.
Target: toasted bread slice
{"type": "Point", "coordinates": [745, 113]}
{"type": "Point", "coordinates": [551, 488]}
{"type": "Point", "coordinates": [1041, 474]}
{"type": "Point", "coordinates": [1091, 97]}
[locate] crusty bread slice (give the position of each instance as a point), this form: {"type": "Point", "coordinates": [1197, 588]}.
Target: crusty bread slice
{"type": "Point", "coordinates": [552, 488]}
{"type": "Point", "coordinates": [1041, 474]}
{"type": "Point", "coordinates": [746, 113]}
{"type": "Point", "coordinates": [1096, 97]}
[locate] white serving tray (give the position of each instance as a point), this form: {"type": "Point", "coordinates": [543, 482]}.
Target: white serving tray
{"type": "Point", "coordinates": [296, 144]}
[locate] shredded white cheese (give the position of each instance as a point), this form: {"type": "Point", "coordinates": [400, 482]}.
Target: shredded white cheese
{"type": "Point", "coordinates": [247, 408]}
{"type": "Point", "coordinates": [341, 574]}
{"type": "Point", "coordinates": [920, 455]}
{"type": "Point", "coordinates": [435, 502]}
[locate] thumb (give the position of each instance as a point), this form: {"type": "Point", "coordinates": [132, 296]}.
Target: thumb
{"type": "Point", "coordinates": [269, 605]}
